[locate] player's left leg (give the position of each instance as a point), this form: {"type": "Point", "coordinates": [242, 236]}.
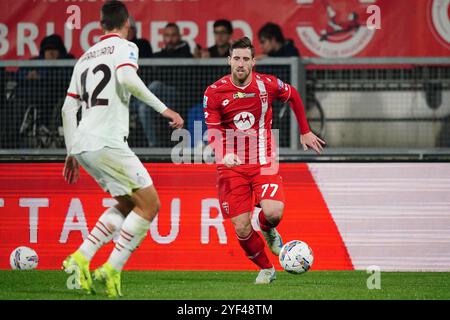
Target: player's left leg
{"type": "Point", "coordinates": [269, 218]}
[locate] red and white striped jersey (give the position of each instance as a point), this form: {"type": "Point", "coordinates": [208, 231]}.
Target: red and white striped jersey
{"type": "Point", "coordinates": [244, 115]}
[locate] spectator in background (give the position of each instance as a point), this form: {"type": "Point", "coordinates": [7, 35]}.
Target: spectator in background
{"type": "Point", "coordinates": [223, 31]}
{"type": "Point", "coordinates": [38, 94]}
{"type": "Point", "coordinates": [145, 49]}
{"type": "Point", "coordinates": [174, 46]}
{"type": "Point", "coordinates": [51, 48]}
{"type": "Point", "coordinates": [274, 44]}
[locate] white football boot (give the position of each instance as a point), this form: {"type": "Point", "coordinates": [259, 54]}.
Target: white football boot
{"type": "Point", "coordinates": [274, 241]}
{"type": "Point", "coordinates": [266, 276]}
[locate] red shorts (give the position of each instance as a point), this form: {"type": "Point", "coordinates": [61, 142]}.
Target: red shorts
{"type": "Point", "coordinates": [243, 187]}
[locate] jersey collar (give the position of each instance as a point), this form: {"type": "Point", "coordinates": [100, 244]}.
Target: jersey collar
{"type": "Point", "coordinates": [244, 87]}
{"type": "Point", "coordinates": [109, 35]}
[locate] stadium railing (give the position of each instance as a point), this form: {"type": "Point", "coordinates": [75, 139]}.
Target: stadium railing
{"type": "Point", "coordinates": [389, 108]}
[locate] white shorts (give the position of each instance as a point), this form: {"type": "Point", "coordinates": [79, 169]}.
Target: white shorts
{"type": "Point", "coordinates": [117, 171]}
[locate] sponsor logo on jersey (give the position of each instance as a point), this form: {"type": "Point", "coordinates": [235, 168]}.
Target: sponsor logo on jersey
{"type": "Point", "coordinates": [243, 95]}
{"type": "Point", "coordinates": [244, 120]}
{"type": "Point", "coordinates": [133, 56]}
{"type": "Point", "coordinates": [205, 102]}
{"type": "Point", "coordinates": [225, 102]}
{"type": "Point", "coordinates": [280, 84]}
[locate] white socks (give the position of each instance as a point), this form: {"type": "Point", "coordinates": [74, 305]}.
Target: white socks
{"type": "Point", "coordinates": [107, 225]}
{"type": "Point", "coordinates": [132, 233]}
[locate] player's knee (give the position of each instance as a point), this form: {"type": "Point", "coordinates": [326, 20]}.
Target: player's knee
{"type": "Point", "coordinates": [243, 230]}
{"type": "Point", "coordinates": [153, 208]}
{"type": "Point", "coordinates": [274, 214]}
{"type": "Point", "coordinates": [157, 206]}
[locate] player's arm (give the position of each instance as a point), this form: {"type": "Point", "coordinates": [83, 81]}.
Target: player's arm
{"type": "Point", "coordinates": [128, 77]}
{"type": "Point", "coordinates": [127, 65]}
{"type": "Point", "coordinates": [216, 134]}
{"type": "Point", "coordinates": [69, 120]}
{"type": "Point", "coordinates": [288, 93]}
{"type": "Point", "coordinates": [213, 123]}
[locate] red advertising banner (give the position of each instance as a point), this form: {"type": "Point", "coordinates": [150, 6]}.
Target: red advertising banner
{"type": "Point", "coordinates": [38, 209]}
{"type": "Point", "coordinates": [319, 28]}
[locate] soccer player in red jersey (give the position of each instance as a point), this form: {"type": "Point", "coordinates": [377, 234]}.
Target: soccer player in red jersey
{"type": "Point", "coordinates": [238, 114]}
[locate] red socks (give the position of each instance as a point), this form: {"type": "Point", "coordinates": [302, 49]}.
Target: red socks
{"type": "Point", "coordinates": [264, 224]}
{"type": "Point", "coordinates": [253, 246]}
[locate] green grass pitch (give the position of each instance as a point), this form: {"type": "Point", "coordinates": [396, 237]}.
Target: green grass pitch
{"type": "Point", "coordinates": [188, 285]}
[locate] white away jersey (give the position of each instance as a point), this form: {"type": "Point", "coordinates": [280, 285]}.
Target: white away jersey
{"type": "Point", "coordinates": [104, 101]}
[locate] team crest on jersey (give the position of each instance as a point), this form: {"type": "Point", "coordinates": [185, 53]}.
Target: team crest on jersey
{"type": "Point", "coordinates": [244, 120]}
{"type": "Point", "coordinates": [263, 97]}
{"type": "Point", "coordinates": [243, 95]}
{"type": "Point", "coordinates": [226, 207]}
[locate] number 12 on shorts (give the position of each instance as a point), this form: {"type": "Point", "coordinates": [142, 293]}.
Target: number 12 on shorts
{"type": "Point", "coordinates": [266, 186]}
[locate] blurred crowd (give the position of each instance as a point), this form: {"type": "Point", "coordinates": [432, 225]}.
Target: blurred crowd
{"type": "Point", "coordinates": [30, 111]}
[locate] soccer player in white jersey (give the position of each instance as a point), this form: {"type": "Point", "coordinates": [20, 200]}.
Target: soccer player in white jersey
{"type": "Point", "coordinates": [102, 82]}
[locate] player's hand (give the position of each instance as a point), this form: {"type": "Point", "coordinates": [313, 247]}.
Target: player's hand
{"type": "Point", "coordinates": [176, 121]}
{"type": "Point", "coordinates": [71, 170]}
{"type": "Point", "coordinates": [311, 140]}
{"type": "Point", "coordinates": [231, 160]}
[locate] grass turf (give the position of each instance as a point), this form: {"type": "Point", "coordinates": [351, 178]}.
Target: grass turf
{"type": "Point", "coordinates": [189, 285]}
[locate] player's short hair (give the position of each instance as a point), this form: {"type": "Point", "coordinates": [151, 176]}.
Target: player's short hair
{"type": "Point", "coordinates": [114, 15]}
{"type": "Point", "coordinates": [242, 43]}
{"type": "Point", "coordinates": [172, 25]}
{"type": "Point", "coordinates": [271, 31]}
{"type": "Point", "coordinates": [224, 23]}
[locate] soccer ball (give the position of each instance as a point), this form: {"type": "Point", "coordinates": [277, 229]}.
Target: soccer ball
{"type": "Point", "coordinates": [23, 258]}
{"type": "Point", "coordinates": [296, 257]}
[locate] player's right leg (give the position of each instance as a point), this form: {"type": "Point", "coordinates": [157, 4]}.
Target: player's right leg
{"type": "Point", "coordinates": [132, 232]}
{"type": "Point", "coordinates": [109, 223]}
